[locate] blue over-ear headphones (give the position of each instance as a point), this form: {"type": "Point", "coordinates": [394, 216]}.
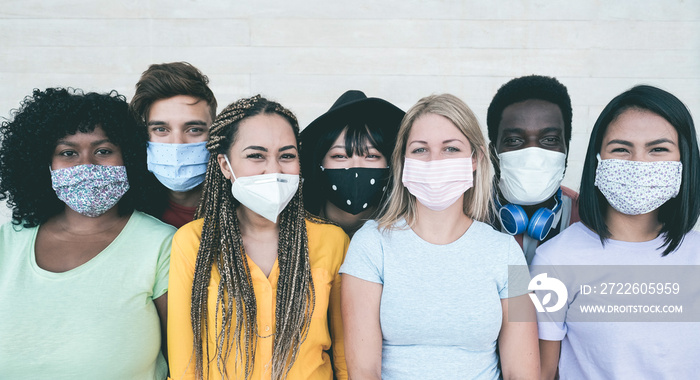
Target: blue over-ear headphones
{"type": "Point", "coordinates": [515, 221]}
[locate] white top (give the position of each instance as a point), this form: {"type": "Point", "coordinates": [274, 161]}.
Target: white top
{"type": "Point", "coordinates": [440, 310]}
{"type": "Point", "coordinates": [618, 350]}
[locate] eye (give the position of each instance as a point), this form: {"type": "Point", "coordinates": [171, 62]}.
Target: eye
{"type": "Point", "coordinates": [659, 150]}
{"type": "Point", "coordinates": [512, 141]}
{"type": "Point", "coordinates": [196, 130]}
{"type": "Point", "coordinates": [452, 149]}
{"type": "Point", "coordinates": [289, 156]}
{"type": "Point", "coordinates": [418, 150]}
{"type": "Point", "coordinates": [255, 156]}
{"type": "Point", "coordinates": [372, 156]}
{"type": "Point", "coordinates": [339, 156]}
{"type": "Point", "coordinates": [619, 150]}
{"type": "Point", "coordinates": [68, 153]}
{"type": "Point", "coordinates": [103, 151]}
{"type": "Point", "coordinates": [158, 129]}
{"type": "Point", "coordinates": [551, 140]}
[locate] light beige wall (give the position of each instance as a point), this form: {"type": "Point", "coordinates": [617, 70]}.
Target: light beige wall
{"type": "Point", "coordinates": [305, 53]}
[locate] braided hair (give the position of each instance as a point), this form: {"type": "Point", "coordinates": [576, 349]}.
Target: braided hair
{"type": "Point", "coordinates": [222, 247]}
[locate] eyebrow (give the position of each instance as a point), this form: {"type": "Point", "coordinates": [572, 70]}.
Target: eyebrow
{"type": "Point", "coordinates": [263, 149]}
{"type": "Point", "coordinates": [551, 129]}
{"type": "Point", "coordinates": [621, 142]}
{"type": "Point", "coordinates": [444, 142]}
{"type": "Point", "coordinates": [512, 130]}
{"type": "Point", "coordinates": [191, 122]}
{"type": "Point", "coordinates": [94, 143]}
{"type": "Point", "coordinates": [543, 131]}
{"type": "Point", "coordinates": [255, 147]}
{"type": "Point", "coordinates": [650, 143]}
{"type": "Point", "coordinates": [659, 141]}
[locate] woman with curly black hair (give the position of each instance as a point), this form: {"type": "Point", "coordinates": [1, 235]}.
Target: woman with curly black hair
{"type": "Point", "coordinates": [83, 276]}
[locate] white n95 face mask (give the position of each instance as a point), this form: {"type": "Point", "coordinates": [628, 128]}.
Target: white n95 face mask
{"type": "Point", "coordinates": [179, 167]}
{"type": "Point", "coordinates": [265, 194]}
{"type": "Point", "coordinates": [530, 176]}
{"type": "Point", "coordinates": [638, 187]}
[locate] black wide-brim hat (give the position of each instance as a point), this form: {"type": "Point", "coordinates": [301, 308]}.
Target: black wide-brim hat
{"type": "Point", "coordinates": [355, 105]}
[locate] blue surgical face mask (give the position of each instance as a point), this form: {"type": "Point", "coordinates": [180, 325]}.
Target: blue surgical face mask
{"type": "Point", "coordinates": [179, 167]}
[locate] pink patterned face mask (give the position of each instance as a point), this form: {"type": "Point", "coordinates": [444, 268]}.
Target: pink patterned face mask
{"type": "Point", "coordinates": [638, 187]}
{"type": "Point", "coordinates": [90, 190]}
{"type": "Point", "coordinates": [438, 184]}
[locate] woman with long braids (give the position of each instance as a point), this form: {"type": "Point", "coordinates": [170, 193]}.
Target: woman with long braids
{"type": "Point", "coordinates": [254, 290]}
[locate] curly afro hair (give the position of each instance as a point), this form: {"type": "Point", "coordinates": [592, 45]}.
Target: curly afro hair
{"type": "Point", "coordinates": [529, 87]}
{"type": "Point", "coordinates": [27, 144]}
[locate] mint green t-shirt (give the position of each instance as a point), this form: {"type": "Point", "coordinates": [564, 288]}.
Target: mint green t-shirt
{"type": "Point", "coordinates": [97, 321]}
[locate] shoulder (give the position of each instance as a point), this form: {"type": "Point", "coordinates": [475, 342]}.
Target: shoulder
{"type": "Point", "coordinates": [370, 230]}
{"type": "Point", "coordinates": [577, 237]}
{"type": "Point", "coordinates": [327, 244]}
{"type": "Point", "coordinates": [11, 229]}
{"type": "Point", "coordinates": [691, 240]}
{"type": "Point", "coordinates": [13, 236]}
{"type": "Point", "coordinates": [190, 231]}
{"type": "Point", "coordinates": [576, 232]}
{"type": "Point", "coordinates": [496, 247]}
{"type": "Point", "coordinates": [11, 233]}
{"type": "Point", "coordinates": [152, 225]}
{"type": "Point", "coordinates": [319, 230]}
{"type": "Point", "coordinates": [486, 233]}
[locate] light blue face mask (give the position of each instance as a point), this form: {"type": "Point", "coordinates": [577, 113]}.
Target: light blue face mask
{"type": "Point", "coordinates": [179, 167]}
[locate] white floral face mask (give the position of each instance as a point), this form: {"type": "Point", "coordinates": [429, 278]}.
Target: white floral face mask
{"type": "Point", "coordinates": [90, 190]}
{"type": "Point", "coordinates": [638, 187]}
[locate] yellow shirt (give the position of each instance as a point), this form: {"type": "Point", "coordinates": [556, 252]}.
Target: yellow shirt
{"type": "Point", "coordinates": [327, 247]}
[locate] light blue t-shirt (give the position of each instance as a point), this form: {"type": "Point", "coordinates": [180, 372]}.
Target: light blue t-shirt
{"type": "Point", "coordinates": [96, 321]}
{"type": "Point", "coordinates": [440, 310]}
{"type": "Point", "coordinates": [617, 350]}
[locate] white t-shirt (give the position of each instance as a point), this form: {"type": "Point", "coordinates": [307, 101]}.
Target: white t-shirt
{"type": "Point", "coordinates": [440, 311]}
{"type": "Point", "coordinates": [618, 350]}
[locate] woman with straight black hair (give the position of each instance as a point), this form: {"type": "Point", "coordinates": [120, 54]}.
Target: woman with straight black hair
{"type": "Point", "coordinates": [345, 157]}
{"type": "Point", "coordinates": [638, 205]}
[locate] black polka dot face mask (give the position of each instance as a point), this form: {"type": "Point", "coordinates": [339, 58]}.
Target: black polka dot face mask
{"type": "Point", "coordinates": [354, 190]}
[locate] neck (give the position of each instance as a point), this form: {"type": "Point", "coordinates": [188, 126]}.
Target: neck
{"type": "Point", "coordinates": [348, 222]}
{"type": "Point", "coordinates": [187, 198]}
{"type": "Point", "coordinates": [252, 224]}
{"type": "Point", "coordinates": [79, 224]}
{"type": "Point", "coordinates": [632, 228]}
{"type": "Point", "coordinates": [441, 227]}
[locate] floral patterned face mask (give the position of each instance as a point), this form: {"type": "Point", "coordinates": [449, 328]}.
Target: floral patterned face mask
{"type": "Point", "coordinates": [90, 190]}
{"type": "Point", "coordinates": [638, 187]}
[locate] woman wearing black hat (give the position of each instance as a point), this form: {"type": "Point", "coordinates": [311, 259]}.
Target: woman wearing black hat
{"type": "Point", "coordinates": [344, 158]}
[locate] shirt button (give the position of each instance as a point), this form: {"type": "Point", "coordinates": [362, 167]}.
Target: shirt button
{"type": "Point", "coordinates": [267, 328]}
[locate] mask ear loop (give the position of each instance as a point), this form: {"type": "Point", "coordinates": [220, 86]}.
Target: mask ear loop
{"type": "Point", "coordinates": [230, 167]}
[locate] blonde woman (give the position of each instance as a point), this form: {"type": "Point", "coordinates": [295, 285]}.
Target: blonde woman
{"type": "Point", "coordinates": [254, 286]}
{"type": "Point", "coordinates": [425, 288]}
